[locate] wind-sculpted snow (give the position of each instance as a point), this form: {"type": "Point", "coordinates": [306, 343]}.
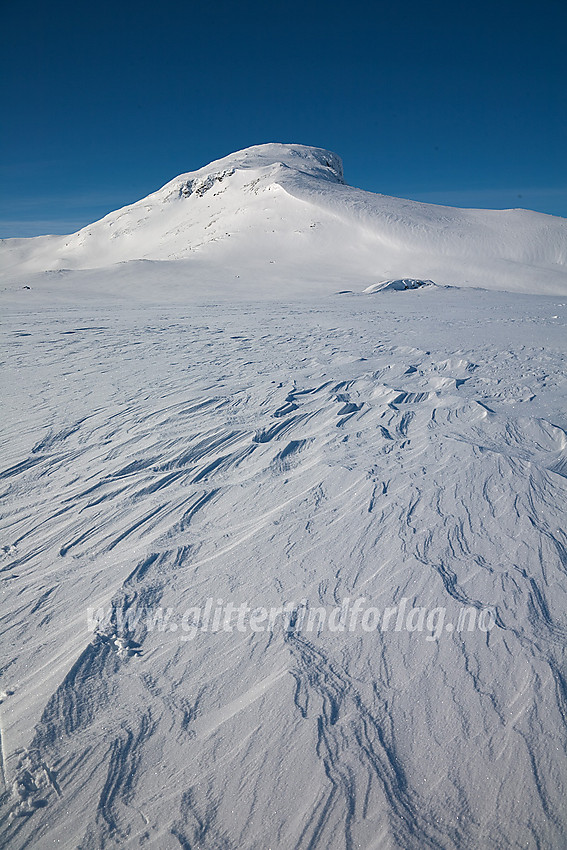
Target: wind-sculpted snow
{"type": "Point", "coordinates": [397, 285]}
{"type": "Point", "coordinates": [386, 449]}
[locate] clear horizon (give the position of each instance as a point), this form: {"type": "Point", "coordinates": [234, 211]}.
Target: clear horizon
{"type": "Point", "coordinates": [463, 107]}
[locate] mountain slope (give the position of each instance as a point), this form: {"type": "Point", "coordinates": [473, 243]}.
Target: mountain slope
{"type": "Point", "coordinates": [288, 206]}
{"type": "Point", "coordinates": [384, 471]}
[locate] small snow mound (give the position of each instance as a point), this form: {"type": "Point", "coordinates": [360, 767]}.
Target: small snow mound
{"type": "Point", "coordinates": [399, 285]}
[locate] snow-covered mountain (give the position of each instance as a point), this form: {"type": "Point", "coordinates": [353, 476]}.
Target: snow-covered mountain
{"type": "Point", "coordinates": [290, 571]}
{"type": "Point", "coordinates": [273, 212]}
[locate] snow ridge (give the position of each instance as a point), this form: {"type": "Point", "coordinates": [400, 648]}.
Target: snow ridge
{"type": "Point", "coordinates": [320, 451]}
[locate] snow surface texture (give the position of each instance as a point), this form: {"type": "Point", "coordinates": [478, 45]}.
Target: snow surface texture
{"type": "Point", "coordinates": [343, 448]}
{"type": "Point", "coordinates": [272, 213]}
{"type": "Point", "coordinates": [157, 454]}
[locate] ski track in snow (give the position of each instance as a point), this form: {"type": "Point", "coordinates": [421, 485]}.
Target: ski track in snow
{"type": "Point", "coordinates": [270, 453]}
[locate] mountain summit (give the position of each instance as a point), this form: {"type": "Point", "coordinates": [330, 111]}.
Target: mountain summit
{"type": "Point", "coordinates": [278, 211]}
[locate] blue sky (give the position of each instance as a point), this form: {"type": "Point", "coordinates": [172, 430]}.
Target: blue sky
{"type": "Point", "coordinates": [463, 104]}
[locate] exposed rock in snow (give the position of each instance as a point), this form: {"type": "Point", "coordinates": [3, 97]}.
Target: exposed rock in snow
{"type": "Point", "coordinates": [400, 285]}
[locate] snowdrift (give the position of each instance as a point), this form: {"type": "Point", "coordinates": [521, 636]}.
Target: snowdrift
{"type": "Point", "coordinates": [402, 285]}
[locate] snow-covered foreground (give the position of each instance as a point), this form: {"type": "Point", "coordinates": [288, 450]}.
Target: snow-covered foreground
{"type": "Point", "coordinates": [311, 453]}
